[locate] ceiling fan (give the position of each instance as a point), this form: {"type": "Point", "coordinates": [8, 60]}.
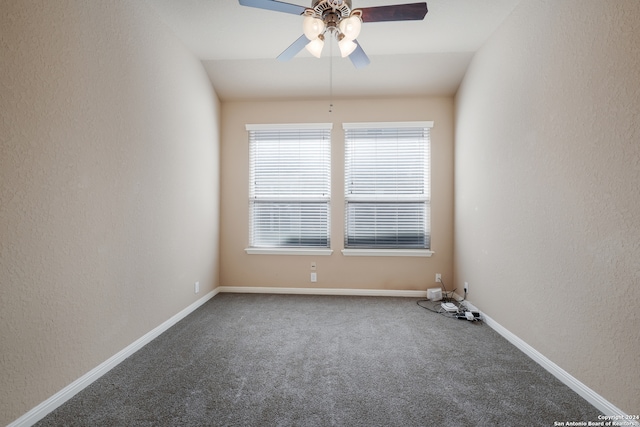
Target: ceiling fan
{"type": "Point", "coordinates": [337, 18]}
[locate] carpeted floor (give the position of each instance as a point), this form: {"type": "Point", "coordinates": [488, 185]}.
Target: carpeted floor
{"type": "Point", "coordinates": [300, 360]}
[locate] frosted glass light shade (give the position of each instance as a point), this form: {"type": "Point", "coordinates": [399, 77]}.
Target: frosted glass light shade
{"type": "Point", "coordinates": [312, 27]}
{"type": "Point", "coordinates": [346, 47]}
{"type": "Point", "coordinates": [351, 27]}
{"type": "Point", "coordinates": [315, 47]}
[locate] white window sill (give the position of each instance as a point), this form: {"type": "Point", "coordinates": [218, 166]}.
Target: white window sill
{"type": "Point", "coordinates": [388, 252]}
{"type": "Point", "coordinates": [288, 251]}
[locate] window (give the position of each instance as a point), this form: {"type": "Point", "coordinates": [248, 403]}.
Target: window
{"type": "Point", "coordinates": [289, 194]}
{"type": "Point", "coordinates": [387, 188]}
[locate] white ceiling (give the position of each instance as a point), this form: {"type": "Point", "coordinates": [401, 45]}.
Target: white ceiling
{"type": "Point", "coordinates": [238, 46]}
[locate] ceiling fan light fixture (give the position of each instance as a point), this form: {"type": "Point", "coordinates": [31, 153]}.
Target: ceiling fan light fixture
{"type": "Point", "coordinates": [351, 26]}
{"type": "Point", "coordinates": [315, 46]}
{"type": "Point", "coordinates": [346, 47]}
{"type": "Point", "coordinates": [312, 27]}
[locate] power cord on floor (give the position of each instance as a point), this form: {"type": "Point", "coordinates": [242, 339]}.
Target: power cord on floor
{"type": "Point", "coordinates": [447, 296]}
{"type": "Point", "coordinates": [462, 311]}
{"type": "Point", "coordinates": [428, 308]}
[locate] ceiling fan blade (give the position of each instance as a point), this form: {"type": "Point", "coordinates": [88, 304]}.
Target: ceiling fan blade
{"type": "Point", "coordinates": [397, 12]}
{"type": "Point", "coordinates": [358, 57]}
{"type": "Point", "coordinates": [293, 50]}
{"type": "Point", "coordinates": [275, 6]}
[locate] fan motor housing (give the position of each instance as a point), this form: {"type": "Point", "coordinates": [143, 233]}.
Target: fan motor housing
{"type": "Point", "coordinates": [341, 8]}
{"type": "Point", "coordinates": [336, 3]}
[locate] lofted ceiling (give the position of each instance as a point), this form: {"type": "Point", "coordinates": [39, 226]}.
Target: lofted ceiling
{"type": "Point", "coordinates": [238, 46]}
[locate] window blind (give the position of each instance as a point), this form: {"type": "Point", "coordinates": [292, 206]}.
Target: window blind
{"type": "Point", "coordinates": [290, 177]}
{"type": "Point", "coordinates": [387, 186]}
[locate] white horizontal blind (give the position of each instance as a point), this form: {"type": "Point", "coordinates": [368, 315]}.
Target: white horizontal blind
{"type": "Point", "coordinates": [289, 195]}
{"type": "Point", "coordinates": [387, 186]}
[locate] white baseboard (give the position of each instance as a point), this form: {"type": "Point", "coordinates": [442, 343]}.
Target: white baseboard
{"type": "Point", "coordinates": [322, 291]}
{"type": "Point", "coordinates": [44, 408]}
{"type": "Point", "coordinates": [599, 402]}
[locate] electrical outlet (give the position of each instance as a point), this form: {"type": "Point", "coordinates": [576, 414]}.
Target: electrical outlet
{"type": "Point", "coordinates": [438, 278]}
{"type": "Point", "coordinates": [314, 277]}
{"type": "Point", "coordinates": [466, 287]}
{"type": "Point", "coordinates": [196, 287]}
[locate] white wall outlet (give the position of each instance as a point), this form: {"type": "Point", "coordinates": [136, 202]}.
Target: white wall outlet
{"type": "Point", "coordinates": [196, 287]}
{"type": "Point", "coordinates": [313, 265]}
{"type": "Point", "coordinates": [438, 278]}
{"type": "Point", "coordinates": [314, 277]}
{"type": "Point", "coordinates": [466, 287]}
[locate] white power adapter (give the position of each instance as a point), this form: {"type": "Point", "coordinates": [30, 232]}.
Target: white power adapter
{"type": "Point", "coordinates": [434, 294]}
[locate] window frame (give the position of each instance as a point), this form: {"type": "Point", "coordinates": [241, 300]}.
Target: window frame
{"type": "Point", "coordinates": [291, 250]}
{"type": "Point", "coordinates": [380, 251]}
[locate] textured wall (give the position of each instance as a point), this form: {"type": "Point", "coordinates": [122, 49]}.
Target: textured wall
{"type": "Point", "coordinates": [108, 188]}
{"type": "Point", "coordinates": [336, 270]}
{"type": "Point", "coordinates": [547, 173]}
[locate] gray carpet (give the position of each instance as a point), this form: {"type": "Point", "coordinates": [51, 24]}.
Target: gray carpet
{"type": "Point", "coordinates": [295, 360]}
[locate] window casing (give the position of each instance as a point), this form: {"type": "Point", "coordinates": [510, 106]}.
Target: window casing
{"type": "Point", "coordinates": [289, 185]}
{"type": "Point", "coordinates": [387, 186]}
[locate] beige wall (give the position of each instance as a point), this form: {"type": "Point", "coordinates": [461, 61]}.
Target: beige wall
{"type": "Point", "coordinates": [547, 174]}
{"type": "Point", "coordinates": [336, 270]}
{"type": "Point", "coordinates": [108, 188]}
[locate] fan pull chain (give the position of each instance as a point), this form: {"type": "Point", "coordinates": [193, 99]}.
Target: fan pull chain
{"type": "Point", "coordinates": [331, 76]}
